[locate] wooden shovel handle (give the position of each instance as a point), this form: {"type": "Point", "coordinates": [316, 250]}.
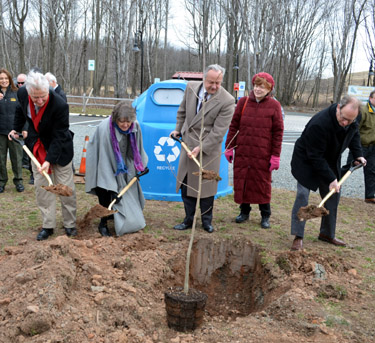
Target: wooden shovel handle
{"type": "Point", "coordinates": [333, 190]}
{"type": "Point", "coordinates": [186, 148]}
{"type": "Point", "coordinates": [125, 189]}
{"type": "Point", "coordinates": [189, 152]}
{"type": "Point", "coordinates": [33, 158]}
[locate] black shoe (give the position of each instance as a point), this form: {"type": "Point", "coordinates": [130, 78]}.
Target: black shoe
{"type": "Point", "coordinates": [70, 231]}
{"type": "Point", "coordinates": [182, 226]}
{"type": "Point", "coordinates": [265, 223]}
{"type": "Point", "coordinates": [2, 188]}
{"type": "Point", "coordinates": [208, 228]}
{"type": "Point", "coordinates": [31, 182]}
{"type": "Point", "coordinates": [44, 234]}
{"type": "Point", "coordinates": [242, 217]}
{"type": "Point", "coordinates": [20, 188]}
{"type": "Point", "coordinates": [103, 229]}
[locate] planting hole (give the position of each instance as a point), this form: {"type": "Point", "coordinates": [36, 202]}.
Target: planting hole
{"type": "Point", "coordinates": [233, 277]}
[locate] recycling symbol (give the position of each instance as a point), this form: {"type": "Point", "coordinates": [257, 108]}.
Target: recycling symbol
{"type": "Point", "coordinates": [161, 153]}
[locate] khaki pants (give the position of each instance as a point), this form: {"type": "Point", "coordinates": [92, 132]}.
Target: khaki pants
{"type": "Point", "coordinates": [46, 201]}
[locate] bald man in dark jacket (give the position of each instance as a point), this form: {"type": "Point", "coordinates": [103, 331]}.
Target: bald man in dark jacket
{"type": "Point", "coordinates": [316, 163]}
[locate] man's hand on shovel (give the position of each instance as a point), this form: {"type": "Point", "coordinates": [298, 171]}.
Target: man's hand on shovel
{"type": "Point", "coordinates": [334, 185]}
{"type": "Point", "coordinates": [44, 167]}
{"type": "Point", "coordinates": [194, 153]}
{"type": "Point", "coordinates": [12, 134]}
{"type": "Point", "coordinates": [206, 174]}
{"type": "Point", "coordinates": [312, 211]}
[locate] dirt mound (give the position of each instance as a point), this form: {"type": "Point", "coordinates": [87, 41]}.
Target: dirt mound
{"type": "Point", "coordinates": [108, 290]}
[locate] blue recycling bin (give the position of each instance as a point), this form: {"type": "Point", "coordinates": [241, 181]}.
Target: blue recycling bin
{"type": "Point", "coordinates": [156, 113]}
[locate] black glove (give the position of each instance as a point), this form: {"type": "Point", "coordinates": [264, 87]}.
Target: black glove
{"type": "Point", "coordinates": [114, 196]}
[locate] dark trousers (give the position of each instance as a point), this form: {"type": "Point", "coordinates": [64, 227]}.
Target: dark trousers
{"type": "Point", "coordinates": [265, 209]}
{"type": "Point", "coordinates": [206, 206]}
{"type": "Point", "coordinates": [105, 197]}
{"type": "Point", "coordinates": [328, 223]}
{"type": "Point", "coordinates": [15, 154]}
{"type": "Point", "coordinates": [368, 170]}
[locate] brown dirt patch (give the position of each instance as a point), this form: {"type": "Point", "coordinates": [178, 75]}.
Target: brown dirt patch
{"type": "Point", "coordinates": [94, 289]}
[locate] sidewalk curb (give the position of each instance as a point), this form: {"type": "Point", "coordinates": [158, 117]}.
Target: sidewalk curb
{"type": "Point", "coordinates": [89, 115]}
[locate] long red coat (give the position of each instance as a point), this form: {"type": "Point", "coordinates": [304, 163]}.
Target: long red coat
{"type": "Point", "coordinates": [260, 131]}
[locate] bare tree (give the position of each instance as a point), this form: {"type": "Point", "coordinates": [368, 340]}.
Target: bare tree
{"type": "Point", "coordinates": [18, 13]}
{"type": "Point", "coordinates": [124, 12]}
{"type": "Point", "coordinates": [343, 36]}
{"type": "Point", "coordinates": [4, 42]}
{"type": "Point", "coordinates": [370, 33]}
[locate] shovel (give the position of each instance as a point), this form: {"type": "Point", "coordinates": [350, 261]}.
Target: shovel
{"type": "Point", "coordinates": [99, 211]}
{"type": "Point", "coordinates": [125, 189]}
{"type": "Point", "coordinates": [56, 189]}
{"type": "Point", "coordinates": [312, 211]}
{"type": "Point", "coordinates": [206, 174]}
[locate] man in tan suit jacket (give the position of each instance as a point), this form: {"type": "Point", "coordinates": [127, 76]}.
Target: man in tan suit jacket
{"type": "Point", "coordinates": [217, 114]}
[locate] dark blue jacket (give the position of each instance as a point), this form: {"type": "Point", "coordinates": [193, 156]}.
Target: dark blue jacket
{"type": "Point", "coordinates": [8, 105]}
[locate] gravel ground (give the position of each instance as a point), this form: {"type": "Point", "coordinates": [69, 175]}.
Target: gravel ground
{"type": "Point", "coordinates": [282, 178]}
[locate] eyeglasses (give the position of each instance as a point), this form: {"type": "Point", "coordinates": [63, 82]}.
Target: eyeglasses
{"type": "Point", "coordinates": [349, 121]}
{"type": "Point", "coordinates": [20, 83]}
{"type": "Point", "coordinates": [34, 98]}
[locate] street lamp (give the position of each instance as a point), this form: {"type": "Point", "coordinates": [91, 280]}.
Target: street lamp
{"type": "Point", "coordinates": [236, 68]}
{"type": "Point", "coordinates": [370, 73]}
{"type": "Point", "coordinates": [138, 42]}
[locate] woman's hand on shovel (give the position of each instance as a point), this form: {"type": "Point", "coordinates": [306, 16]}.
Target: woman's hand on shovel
{"type": "Point", "coordinates": [114, 196]}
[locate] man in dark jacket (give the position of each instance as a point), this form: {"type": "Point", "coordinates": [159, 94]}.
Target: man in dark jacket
{"type": "Point", "coordinates": [55, 86]}
{"type": "Point", "coordinates": [316, 163]}
{"type": "Point", "coordinates": [51, 142]}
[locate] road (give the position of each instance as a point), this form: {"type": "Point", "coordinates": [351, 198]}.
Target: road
{"type": "Point", "coordinates": [294, 124]}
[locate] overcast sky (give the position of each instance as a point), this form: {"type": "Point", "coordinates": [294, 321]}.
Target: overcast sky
{"type": "Point", "coordinates": [178, 31]}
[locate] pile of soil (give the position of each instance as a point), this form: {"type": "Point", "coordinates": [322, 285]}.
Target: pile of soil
{"type": "Point", "coordinates": [94, 289]}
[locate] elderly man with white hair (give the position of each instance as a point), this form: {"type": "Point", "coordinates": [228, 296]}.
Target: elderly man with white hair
{"type": "Point", "coordinates": [51, 142]}
{"type": "Point", "coordinates": [55, 86]}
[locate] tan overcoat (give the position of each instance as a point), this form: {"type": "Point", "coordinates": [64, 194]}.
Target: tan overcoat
{"type": "Point", "coordinates": [217, 114]}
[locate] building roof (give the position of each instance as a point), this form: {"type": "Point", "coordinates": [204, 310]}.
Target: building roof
{"type": "Point", "coordinates": [188, 75]}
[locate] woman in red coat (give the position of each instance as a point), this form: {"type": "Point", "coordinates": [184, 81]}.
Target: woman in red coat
{"type": "Point", "coordinates": [255, 134]}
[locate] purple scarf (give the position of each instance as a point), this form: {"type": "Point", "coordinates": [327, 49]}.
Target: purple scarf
{"type": "Point", "coordinates": [121, 167]}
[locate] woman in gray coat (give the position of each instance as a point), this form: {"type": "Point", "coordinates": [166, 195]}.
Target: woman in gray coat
{"type": "Point", "coordinates": [114, 156]}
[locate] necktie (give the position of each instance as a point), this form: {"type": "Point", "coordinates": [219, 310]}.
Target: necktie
{"type": "Point", "coordinates": [204, 100]}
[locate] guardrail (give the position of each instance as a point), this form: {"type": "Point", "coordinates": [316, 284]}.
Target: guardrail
{"type": "Point", "coordinates": [94, 101]}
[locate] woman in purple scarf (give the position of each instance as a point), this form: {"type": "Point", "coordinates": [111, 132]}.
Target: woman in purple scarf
{"type": "Point", "coordinates": [114, 156]}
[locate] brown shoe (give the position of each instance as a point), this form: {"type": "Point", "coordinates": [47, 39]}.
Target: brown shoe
{"type": "Point", "coordinates": [334, 241]}
{"type": "Point", "coordinates": [370, 201]}
{"type": "Point", "coordinates": [297, 244]}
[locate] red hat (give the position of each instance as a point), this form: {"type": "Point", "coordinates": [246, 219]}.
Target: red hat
{"type": "Point", "coordinates": [265, 76]}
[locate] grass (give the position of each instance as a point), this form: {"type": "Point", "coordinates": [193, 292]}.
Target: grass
{"type": "Point", "coordinates": [91, 110]}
